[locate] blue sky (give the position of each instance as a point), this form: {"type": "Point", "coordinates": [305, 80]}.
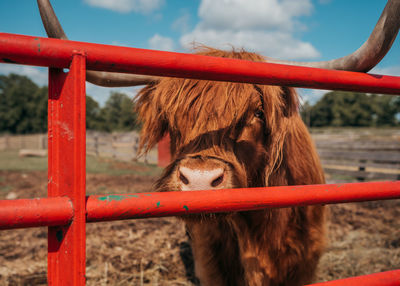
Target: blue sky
{"type": "Point", "coordinates": [286, 29]}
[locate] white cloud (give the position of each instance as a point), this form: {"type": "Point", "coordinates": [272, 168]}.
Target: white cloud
{"type": "Point", "coordinates": [182, 22]}
{"type": "Point", "coordinates": [266, 27]}
{"type": "Point", "coordinates": [274, 44]}
{"type": "Point", "coordinates": [253, 14]}
{"type": "Point", "coordinates": [311, 95]}
{"type": "Point", "coordinates": [126, 6]}
{"type": "Point", "coordinates": [390, 70]}
{"type": "Point", "coordinates": [36, 74]}
{"type": "Point", "coordinates": [101, 94]}
{"type": "Point", "coordinates": [158, 42]}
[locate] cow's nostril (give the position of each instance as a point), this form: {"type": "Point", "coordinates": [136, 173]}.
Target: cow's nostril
{"type": "Point", "coordinates": [217, 181]}
{"type": "Point", "coordinates": [183, 178]}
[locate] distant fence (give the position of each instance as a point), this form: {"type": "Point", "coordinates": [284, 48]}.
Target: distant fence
{"type": "Point", "coordinates": [18, 142]}
{"type": "Point", "coordinates": [346, 156]}
{"type": "Point", "coordinates": [120, 146]}
{"type": "Point", "coordinates": [360, 156]}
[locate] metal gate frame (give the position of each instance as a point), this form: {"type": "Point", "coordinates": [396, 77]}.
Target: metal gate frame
{"type": "Point", "coordinates": [67, 208]}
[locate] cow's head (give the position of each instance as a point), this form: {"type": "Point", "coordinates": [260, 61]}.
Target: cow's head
{"type": "Point", "coordinates": [223, 134]}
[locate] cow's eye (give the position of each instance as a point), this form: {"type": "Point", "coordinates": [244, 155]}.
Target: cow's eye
{"type": "Point", "coordinates": [259, 114]}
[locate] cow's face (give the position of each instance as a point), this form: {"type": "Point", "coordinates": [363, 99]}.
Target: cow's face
{"type": "Point", "coordinates": [223, 135]}
{"type": "Point", "coordinates": [219, 141]}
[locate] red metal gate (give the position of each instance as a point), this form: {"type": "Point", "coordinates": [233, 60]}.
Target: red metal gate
{"type": "Point", "coordinates": [67, 208]}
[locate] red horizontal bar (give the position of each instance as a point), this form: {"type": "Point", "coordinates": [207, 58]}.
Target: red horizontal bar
{"type": "Point", "coordinates": [52, 211]}
{"type": "Point", "coordinates": [35, 212]}
{"type": "Point", "coordinates": [388, 278]}
{"type": "Point", "coordinates": [19, 49]}
{"type": "Point", "coordinates": [142, 205]}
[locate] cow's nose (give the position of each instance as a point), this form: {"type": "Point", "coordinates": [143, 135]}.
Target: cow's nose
{"type": "Point", "coordinates": [199, 179]}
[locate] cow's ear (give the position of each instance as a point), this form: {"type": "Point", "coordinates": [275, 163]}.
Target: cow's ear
{"type": "Point", "coordinates": [154, 124]}
{"type": "Point", "coordinates": [291, 101]}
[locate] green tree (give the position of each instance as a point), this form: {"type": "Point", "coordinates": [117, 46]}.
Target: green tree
{"type": "Point", "coordinates": [39, 110]}
{"type": "Point", "coordinates": [23, 108]}
{"type": "Point", "coordinates": [305, 112]}
{"type": "Point", "coordinates": [23, 105]}
{"type": "Point", "coordinates": [94, 121]}
{"type": "Point", "coordinates": [338, 108]}
{"type": "Point", "coordinates": [321, 113]}
{"type": "Point", "coordinates": [386, 110]}
{"type": "Point", "coordinates": [118, 113]}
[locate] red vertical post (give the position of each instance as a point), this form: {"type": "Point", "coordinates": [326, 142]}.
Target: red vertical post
{"type": "Point", "coordinates": [66, 171]}
{"type": "Point", "coordinates": [164, 153]}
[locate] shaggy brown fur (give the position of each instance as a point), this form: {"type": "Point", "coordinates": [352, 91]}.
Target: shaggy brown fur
{"type": "Point", "coordinates": [255, 134]}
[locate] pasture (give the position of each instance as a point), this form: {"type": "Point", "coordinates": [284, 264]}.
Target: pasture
{"type": "Point", "coordinates": [363, 237]}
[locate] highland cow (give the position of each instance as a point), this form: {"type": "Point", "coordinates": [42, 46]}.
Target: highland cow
{"type": "Point", "coordinates": [233, 135]}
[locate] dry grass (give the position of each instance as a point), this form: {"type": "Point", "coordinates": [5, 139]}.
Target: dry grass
{"type": "Point", "coordinates": [364, 238]}
{"type": "Point", "coordinates": [10, 161]}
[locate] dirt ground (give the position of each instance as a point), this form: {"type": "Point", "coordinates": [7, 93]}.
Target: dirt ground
{"type": "Point", "coordinates": [364, 238]}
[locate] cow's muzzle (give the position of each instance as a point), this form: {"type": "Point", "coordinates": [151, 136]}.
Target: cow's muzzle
{"type": "Point", "coordinates": [203, 173]}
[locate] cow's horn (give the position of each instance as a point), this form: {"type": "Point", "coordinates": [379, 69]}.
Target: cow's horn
{"type": "Point", "coordinates": [108, 79]}
{"type": "Point", "coordinates": [362, 60]}
{"type": "Point", "coordinates": [371, 52]}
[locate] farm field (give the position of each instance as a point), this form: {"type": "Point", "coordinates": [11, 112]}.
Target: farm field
{"type": "Point", "coordinates": [363, 237]}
